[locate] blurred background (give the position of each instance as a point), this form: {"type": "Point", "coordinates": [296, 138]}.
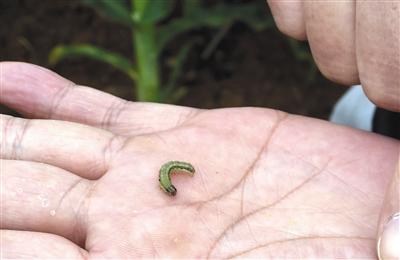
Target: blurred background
{"type": "Point", "coordinates": [205, 54]}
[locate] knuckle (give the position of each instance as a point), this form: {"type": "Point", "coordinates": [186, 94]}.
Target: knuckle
{"type": "Point", "coordinates": [13, 130]}
{"type": "Point", "coordinates": [112, 113]}
{"type": "Point", "coordinates": [59, 98]}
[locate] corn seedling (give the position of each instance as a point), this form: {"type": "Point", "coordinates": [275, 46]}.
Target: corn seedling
{"type": "Point", "coordinates": [152, 29]}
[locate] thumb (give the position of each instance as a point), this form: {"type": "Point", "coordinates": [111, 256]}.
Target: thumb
{"type": "Point", "coordinates": [388, 242]}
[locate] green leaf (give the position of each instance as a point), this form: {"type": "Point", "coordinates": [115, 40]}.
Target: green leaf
{"type": "Point", "coordinates": [116, 10]}
{"type": "Point", "coordinates": [212, 45]}
{"type": "Point", "coordinates": [190, 6]}
{"type": "Point", "coordinates": [151, 11]}
{"type": "Point", "coordinates": [175, 27]}
{"type": "Point", "coordinates": [62, 51]}
{"type": "Point", "coordinates": [170, 92]}
{"type": "Point", "coordinates": [253, 14]}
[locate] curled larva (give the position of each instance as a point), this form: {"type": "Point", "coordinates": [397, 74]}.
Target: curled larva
{"type": "Point", "coordinates": [165, 174]}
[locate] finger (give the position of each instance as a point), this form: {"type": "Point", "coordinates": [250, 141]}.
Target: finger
{"type": "Point", "coordinates": [34, 245]}
{"type": "Point", "coordinates": [378, 51]}
{"type": "Point", "coordinates": [330, 32]}
{"type": "Point", "coordinates": [289, 18]}
{"type": "Point", "coordinates": [77, 148]}
{"type": "Point", "coordinates": [43, 198]}
{"type": "Point", "coordinates": [389, 222]}
{"type": "Point", "coordinates": [41, 93]}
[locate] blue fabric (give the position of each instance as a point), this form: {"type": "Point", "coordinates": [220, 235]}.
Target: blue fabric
{"type": "Point", "coordinates": [354, 109]}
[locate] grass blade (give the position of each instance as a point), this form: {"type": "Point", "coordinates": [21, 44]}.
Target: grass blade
{"type": "Point", "coordinates": [169, 92]}
{"type": "Point", "coordinates": [252, 14]}
{"type": "Point", "coordinates": [114, 59]}
{"type": "Point", "coordinates": [115, 10]}
{"type": "Point", "coordinates": [151, 12]}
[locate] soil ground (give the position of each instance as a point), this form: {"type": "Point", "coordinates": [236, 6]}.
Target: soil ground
{"type": "Point", "coordinates": [246, 69]}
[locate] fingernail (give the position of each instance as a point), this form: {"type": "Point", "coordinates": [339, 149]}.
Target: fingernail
{"type": "Point", "coordinates": [388, 246]}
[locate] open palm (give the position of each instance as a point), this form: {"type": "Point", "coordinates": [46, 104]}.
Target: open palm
{"type": "Point", "coordinates": [267, 184]}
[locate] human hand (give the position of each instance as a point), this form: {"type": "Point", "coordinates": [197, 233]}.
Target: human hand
{"type": "Point", "coordinates": [351, 41]}
{"type": "Point", "coordinates": [267, 184]}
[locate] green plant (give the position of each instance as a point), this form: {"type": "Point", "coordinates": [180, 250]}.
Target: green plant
{"type": "Point", "coordinates": [152, 29]}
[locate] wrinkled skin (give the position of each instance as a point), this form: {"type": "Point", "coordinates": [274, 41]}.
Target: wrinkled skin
{"type": "Point", "coordinates": [267, 184]}
{"type": "Point", "coordinates": [351, 42]}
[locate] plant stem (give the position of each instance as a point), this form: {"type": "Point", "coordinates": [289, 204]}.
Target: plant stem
{"type": "Point", "coordinates": [144, 41]}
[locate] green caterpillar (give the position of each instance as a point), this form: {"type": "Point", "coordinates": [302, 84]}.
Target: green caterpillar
{"type": "Point", "coordinates": [165, 172]}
